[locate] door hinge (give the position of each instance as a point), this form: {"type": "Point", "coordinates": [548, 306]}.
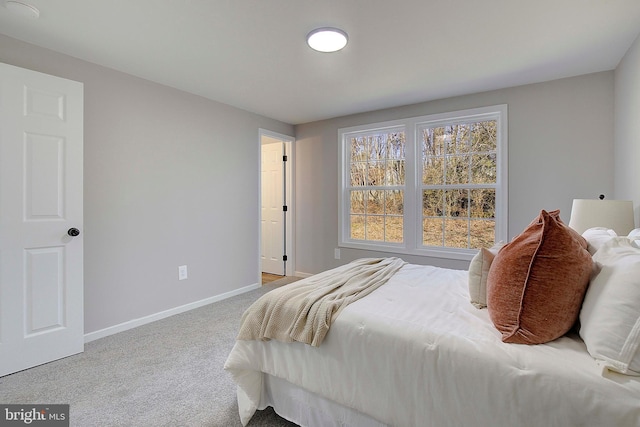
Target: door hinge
{"type": "Point", "coordinates": [284, 257]}
{"type": "Point", "coordinates": [284, 208]}
{"type": "Point", "coordinates": [284, 158]}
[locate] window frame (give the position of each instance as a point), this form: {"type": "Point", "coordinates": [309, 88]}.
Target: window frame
{"type": "Point", "coordinates": [412, 189]}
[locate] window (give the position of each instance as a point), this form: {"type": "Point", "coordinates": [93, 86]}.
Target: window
{"type": "Point", "coordinates": [432, 185]}
{"type": "Point", "coordinates": [376, 188]}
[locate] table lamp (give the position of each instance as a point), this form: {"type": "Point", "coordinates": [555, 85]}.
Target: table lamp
{"type": "Point", "coordinates": [614, 214]}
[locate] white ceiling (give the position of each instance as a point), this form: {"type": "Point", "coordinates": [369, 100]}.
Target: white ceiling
{"type": "Point", "coordinates": [252, 54]}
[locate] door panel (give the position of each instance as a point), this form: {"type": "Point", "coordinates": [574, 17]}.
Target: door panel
{"type": "Point", "coordinates": [44, 177]}
{"type": "Point", "coordinates": [41, 266]}
{"type": "Point", "coordinates": [44, 286]}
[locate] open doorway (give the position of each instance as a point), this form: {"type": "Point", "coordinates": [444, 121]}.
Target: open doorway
{"type": "Point", "coordinates": [276, 204]}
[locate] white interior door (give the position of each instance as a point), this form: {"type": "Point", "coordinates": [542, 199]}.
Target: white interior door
{"type": "Point", "coordinates": [41, 263]}
{"type": "Point", "coordinates": [271, 211]}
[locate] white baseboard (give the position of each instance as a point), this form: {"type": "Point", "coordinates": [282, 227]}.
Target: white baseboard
{"type": "Point", "coordinates": [301, 274]}
{"type": "Point", "coordinates": [92, 336]}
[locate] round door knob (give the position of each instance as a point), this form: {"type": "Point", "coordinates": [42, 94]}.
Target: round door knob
{"type": "Point", "coordinates": [73, 232]}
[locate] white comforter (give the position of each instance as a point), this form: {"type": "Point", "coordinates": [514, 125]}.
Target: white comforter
{"type": "Point", "coordinates": [415, 352]}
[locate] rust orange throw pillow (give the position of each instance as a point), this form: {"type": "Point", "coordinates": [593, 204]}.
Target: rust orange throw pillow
{"type": "Point", "coordinates": [537, 282]}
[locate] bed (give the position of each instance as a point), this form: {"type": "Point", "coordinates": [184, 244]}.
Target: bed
{"type": "Point", "coordinates": [416, 352]}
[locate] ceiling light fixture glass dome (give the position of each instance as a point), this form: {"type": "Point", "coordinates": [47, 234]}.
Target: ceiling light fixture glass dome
{"type": "Point", "coordinates": [327, 39]}
{"type": "Point", "coordinates": [22, 9]}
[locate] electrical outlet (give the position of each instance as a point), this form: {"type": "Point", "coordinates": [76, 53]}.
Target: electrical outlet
{"type": "Point", "coordinates": [336, 253]}
{"type": "Point", "coordinates": [182, 272]}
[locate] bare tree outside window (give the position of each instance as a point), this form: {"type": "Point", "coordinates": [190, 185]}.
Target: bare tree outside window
{"type": "Point", "coordinates": [458, 184]}
{"type": "Point", "coordinates": [377, 178]}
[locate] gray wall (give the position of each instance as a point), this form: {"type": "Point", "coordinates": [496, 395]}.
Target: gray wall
{"type": "Point", "coordinates": [627, 128]}
{"type": "Point", "coordinates": [170, 178]}
{"type": "Point", "coordinates": [560, 148]}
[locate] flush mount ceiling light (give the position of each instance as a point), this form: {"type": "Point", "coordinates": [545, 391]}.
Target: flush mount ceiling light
{"type": "Point", "coordinates": [22, 9]}
{"type": "Point", "coordinates": [327, 39]}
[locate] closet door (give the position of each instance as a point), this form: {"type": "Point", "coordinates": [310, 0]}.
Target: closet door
{"type": "Point", "coordinates": [41, 223]}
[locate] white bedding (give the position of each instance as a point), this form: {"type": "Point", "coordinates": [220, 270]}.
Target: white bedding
{"type": "Point", "coordinates": [415, 352]}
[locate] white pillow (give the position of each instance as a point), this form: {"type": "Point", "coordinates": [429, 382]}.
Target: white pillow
{"type": "Point", "coordinates": [634, 236]}
{"type": "Point", "coordinates": [596, 237]}
{"type": "Point", "coordinates": [610, 314]}
{"type": "Point", "coordinates": [478, 272]}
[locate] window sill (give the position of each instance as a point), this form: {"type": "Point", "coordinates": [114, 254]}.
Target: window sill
{"type": "Point", "coordinates": [444, 253]}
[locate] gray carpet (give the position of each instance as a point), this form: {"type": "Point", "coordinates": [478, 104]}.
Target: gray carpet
{"type": "Point", "coordinates": [166, 373]}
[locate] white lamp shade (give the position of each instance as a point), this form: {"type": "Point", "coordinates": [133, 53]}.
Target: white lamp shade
{"type": "Point", "coordinates": [614, 214]}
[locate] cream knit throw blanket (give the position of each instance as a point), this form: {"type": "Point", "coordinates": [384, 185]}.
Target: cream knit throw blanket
{"type": "Point", "coordinates": [303, 311]}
